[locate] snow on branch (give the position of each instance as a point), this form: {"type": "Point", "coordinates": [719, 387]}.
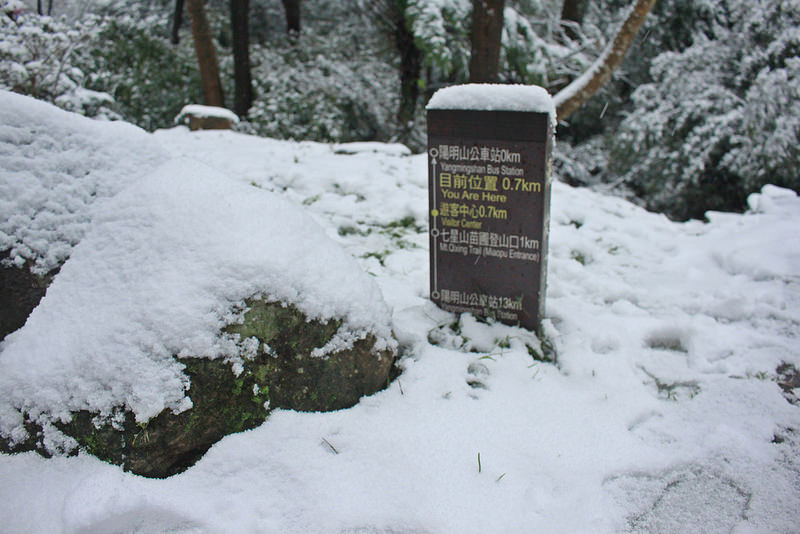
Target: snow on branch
{"type": "Point", "coordinates": [573, 96]}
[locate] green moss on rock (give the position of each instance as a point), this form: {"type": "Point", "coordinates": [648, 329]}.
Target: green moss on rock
{"type": "Point", "coordinates": [223, 404]}
{"type": "Point", "coordinates": [282, 374]}
{"type": "Point", "coordinates": [300, 381]}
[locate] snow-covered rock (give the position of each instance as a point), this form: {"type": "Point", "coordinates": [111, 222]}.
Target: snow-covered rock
{"type": "Point", "coordinates": [54, 167]}
{"type": "Point", "coordinates": [207, 117]}
{"type": "Point", "coordinates": [156, 277]}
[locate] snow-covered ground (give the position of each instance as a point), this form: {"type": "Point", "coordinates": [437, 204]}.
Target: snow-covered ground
{"type": "Point", "coordinates": [661, 415]}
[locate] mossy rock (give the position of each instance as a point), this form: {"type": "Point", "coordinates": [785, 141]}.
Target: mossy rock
{"type": "Point", "coordinates": [282, 373]}
{"type": "Point", "coordinates": [223, 404]}
{"type": "Point", "coordinates": [297, 380]}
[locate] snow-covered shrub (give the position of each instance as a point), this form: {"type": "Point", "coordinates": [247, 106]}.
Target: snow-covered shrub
{"type": "Point", "coordinates": [43, 57]}
{"type": "Point", "coordinates": [721, 118]}
{"type": "Point", "coordinates": [534, 48]}
{"type": "Point", "coordinates": [537, 50]}
{"type": "Point", "coordinates": [670, 26]}
{"type": "Point", "coordinates": [117, 63]}
{"type": "Point", "coordinates": [12, 8]}
{"type": "Point", "coordinates": [150, 79]}
{"type": "Point", "coordinates": [314, 89]}
{"type": "Point", "coordinates": [441, 32]}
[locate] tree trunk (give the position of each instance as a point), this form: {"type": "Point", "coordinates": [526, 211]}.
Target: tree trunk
{"type": "Point", "coordinates": [410, 71]}
{"type": "Point", "coordinates": [487, 29]}
{"type": "Point", "coordinates": [390, 17]}
{"type": "Point", "coordinates": [243, 97]}
{"type": "Point", "coordinates": [206, 54]}
{"type": "Point", "coordinates": [410, 66]}
{"type": "Point", "coordinates": [177, 21]}
{"type": "Point", "coordinates": [573, 11]}
{"type": "Point", "coordinates": [581, 89]}
{"type": "Point", "coordinates": [292, 9]}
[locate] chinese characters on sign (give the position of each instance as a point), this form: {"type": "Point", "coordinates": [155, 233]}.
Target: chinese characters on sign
{"type": "Point", "coordinates": [489, 186]}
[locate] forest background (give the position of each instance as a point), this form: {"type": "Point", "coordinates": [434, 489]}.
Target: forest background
{"type": "Point", "coordinates": [704, 109]}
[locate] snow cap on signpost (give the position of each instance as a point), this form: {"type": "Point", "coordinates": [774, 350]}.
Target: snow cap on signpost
{"type": "Point", "coordinates": [489, 173]}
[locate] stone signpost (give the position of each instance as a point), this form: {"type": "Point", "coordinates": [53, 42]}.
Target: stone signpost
{"type": "Point", "coordinates": [489, 167]}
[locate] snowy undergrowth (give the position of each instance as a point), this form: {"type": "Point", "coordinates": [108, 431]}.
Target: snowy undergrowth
{"type": "Point", "coordinates": [660, 415]}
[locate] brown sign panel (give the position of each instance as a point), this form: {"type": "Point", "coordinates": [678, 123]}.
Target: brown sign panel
{"type": "Point", "coordinates": [489, 195]}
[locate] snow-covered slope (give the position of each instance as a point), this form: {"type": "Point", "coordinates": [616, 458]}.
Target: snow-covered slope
{"type": "Point", "coordinates": [662, 414]}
